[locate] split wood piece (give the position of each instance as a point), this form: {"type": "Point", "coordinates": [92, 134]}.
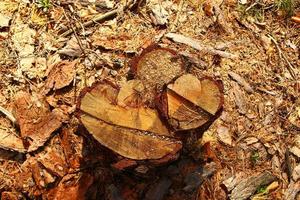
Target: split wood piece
{"type": "Point", "coordinates": [189, 102]}
{"type": "Point", "coordinates": [157, 66]}
{"type": "Point", "coordinates": [35, 119]}
{"type": "Point", "coordinates": [73, 147]}
{"type": "Point", "coordinates": [9, 140]}
{"type": "Point", "coordinates": [134, 132]}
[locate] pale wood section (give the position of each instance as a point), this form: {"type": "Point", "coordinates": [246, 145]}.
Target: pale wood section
{"type": "Point", "coordinates": [9, 141]}
{"type": "Point", "coordinates": [182, 115]}
{"type": "Point", "coordinates": [127, 142]}
{"type": "Point", "coordinates": [97, 103]}
{"type": "Point", "coordinates": [211, 96]}
{"type": "Point", "coordinates": [129, 94]}
{"type": "Point", "coordinates": [204, 93]}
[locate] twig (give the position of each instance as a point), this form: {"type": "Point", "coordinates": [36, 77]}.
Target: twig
{"type": "Point", "coordinates": [8, 115]}
{"type": "Point", "coordinates": [296, 19]}
{"type": "Point", "coordinates": [177, 15]}
{"type": "Point", "coordinates": [92, 21]}
{"type": "Point", "coordinates": [290, 67]}
{"type": "Point", "coordinates": [251, 6]}
{"type": "Point", "coordinates": [197, 45]}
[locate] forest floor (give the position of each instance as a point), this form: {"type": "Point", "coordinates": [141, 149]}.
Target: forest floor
{"type": "Point", "coordinates": [51, 50]}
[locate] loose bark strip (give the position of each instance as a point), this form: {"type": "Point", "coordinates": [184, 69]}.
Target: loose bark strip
{"type": "Point", "coordinates": [241, 81]}
{"type": "Point", "coordinates": [197, 45]}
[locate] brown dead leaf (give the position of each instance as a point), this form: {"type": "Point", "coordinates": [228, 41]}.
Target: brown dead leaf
{"type": "Point", "coordinates": [73, 148]}
{"type": "Point", "coordinates": [73, 48]}
{"type": "Point", "coordinates": [239, 98]}
{"type": "Point", "coordinates": [35, 119]}
{"type": "Point", "coordinates": [53, 158]}
{"type": "Point", "coordinates": [72, 186]}
{"type": "Point", "coordinates": [60, 75]}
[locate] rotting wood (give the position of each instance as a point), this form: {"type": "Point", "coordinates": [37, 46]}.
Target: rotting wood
{"type": "Point", "coordinates": [157, 66]}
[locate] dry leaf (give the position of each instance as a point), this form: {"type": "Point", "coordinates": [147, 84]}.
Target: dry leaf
{"type": "Point", "coordinates": [72, 48]}
{"type": "Point", "coordinates": [61, 75]}
{"type": "Point", "coordinates": [35, 119]}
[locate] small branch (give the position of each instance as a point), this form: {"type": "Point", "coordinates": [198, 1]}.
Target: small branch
{"type": "Point", "coordinates": [177, 15]}
{"type": "Point", "coordinates": [8, 115]}
{"type": "Point", "coordinates": [290, 67]}
{"type": "Point", "coordinates": [296, 19]}
{"type": "Point", "coordinates": [197, 45]}
{"type": "Point", "coordinates": [92, 21]}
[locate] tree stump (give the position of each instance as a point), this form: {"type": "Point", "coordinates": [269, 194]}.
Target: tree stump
{"type": "Point", "coordinates": [120, 118]}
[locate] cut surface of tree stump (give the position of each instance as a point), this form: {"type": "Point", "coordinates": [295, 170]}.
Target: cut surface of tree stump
{"type": "Point", "coordinates": [156, 67]}
{"type": "Point", "coordinates": [134, 132]}
{"type": "Point", "coordinates": [189, 102]}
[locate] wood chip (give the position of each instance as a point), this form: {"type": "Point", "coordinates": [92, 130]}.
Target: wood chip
{"type": "Point", "coordinates": [292, 191]}
{"type": "Point", "coordinates": [296, 173]}
{"type": "Point", "coordinates": [224, 135]}
{"type": "Point", "coordinates": [10, 141]}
